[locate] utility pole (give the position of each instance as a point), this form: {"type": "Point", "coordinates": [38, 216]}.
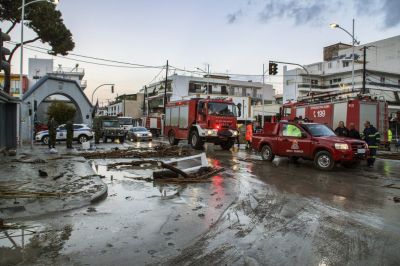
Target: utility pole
{"type": "Point", "coordinates": [165, 90]}
{"type": "Point", "coordinates": [364, 69]}
{"type": "Point", "coordinates": [262, 96]}
{"type": "Point", "coordinates": [144, 100]}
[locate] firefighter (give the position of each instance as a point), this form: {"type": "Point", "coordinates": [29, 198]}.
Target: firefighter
{"type": "Point", "coordinates": [372, 137]}
{"type": "Point", "coordinates": [249, 135]}
{"type": "Point", "coordinates": [353, 133]}
{"type": "Point", "coordinates": [97, 130]}
{"type": "Point", "coordinates": [52, 132]}
{"type": "Point", "coordinates": [70, 133]}
{"type": "Point", "coordinates": [341, 130]}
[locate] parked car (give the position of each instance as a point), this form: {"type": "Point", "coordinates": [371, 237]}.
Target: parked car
{"type": "Point", "coordinates": [139, 133]}
{"type": "Point", "coordinates": [82, 133]}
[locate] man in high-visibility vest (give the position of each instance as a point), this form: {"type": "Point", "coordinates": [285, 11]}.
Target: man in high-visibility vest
{"type": "Point", "coordinates": [249, 135]}
{"type": "Point", "coordinates": [372, 137]}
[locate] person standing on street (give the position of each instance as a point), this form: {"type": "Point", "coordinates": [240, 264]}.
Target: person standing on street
{"type": "Point", "coordinates": [70, 134]}
{"type": "Point", "coordinates": [372, 137]}
{"type": "Point", "coordinates": [341, 130]}
{"type": "Point", "coordinates": [249, 135]}
{"type": "Point", "coordinates": [52, 132]}
{"type": "Point", "coordinates": [353, 133]}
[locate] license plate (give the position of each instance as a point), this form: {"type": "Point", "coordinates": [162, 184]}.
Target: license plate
{"type": "Point", "coordinates": [360, 150]}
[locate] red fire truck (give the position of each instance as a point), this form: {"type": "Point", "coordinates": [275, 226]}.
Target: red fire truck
{"type": "Point", "coordinates": [357, 111]}
{"type": "Point", "coordinates": [153, 124]}
{"type": "Point", "coordinates": [202, 120]}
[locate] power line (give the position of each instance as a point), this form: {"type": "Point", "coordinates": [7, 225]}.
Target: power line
{"type": "Point", "coordinates": [89, 57]}
{"type": "Point", "coordinates": [88, 62]}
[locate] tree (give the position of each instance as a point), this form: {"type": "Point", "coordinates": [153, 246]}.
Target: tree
{"type": "Point", "coordinates": [44, 20]}
{"type": "Point", "coordinates": [61, 112]}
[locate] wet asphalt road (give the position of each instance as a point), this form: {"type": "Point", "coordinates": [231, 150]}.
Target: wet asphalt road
{"type": "Point", "coordinates": [254, 213]}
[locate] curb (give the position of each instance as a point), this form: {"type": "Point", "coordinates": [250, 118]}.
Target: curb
{"type": "Point", "coordinates": [101, 195]}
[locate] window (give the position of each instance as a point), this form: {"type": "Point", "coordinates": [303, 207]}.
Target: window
{"type": "Point", "coordinates": [345, 63]}
{"type": "Point", "coordinates": [287, 111]}
{"type": "Point", "coordinates": [382, 79]}
{"type": "Point", "coordinates": [77, 126]}
{"type": "Point", "coordinates": [290, 130]}
{"type": "Point", "coordinates": [314, 82]}
{"type": "Point", "coordinates": [209, 89]}
{"type": "Point", "coordinates": [330, 65]}
{"type": "Point", "coordinates": [224, 90]}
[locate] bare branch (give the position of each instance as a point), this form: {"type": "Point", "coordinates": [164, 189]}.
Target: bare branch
{"type": "Point", "coordinates": [11, 27]}
{"type": "Point", "coordinates": [18, 45]}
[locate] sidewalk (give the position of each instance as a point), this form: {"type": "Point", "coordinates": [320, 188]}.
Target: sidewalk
{"type": "Point", "coordinates": [26, 190]}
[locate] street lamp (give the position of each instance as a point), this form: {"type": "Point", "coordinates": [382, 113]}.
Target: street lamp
{"type": "Point", "coordinates": [22, 8]}
{"type": "Point", "coordinates": [21, 68]}
{"type": "Point", "coordinates": [208, 75]}
{"type": "Point", "coordinates": [112, 89]}
{"type": "Point", "coordinates": [354, 41]}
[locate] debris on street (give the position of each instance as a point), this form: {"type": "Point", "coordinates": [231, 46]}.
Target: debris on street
{"type": "Point", "coordinates": [161, 150]}
{"type": "Point", "coordinates": [390, 156]}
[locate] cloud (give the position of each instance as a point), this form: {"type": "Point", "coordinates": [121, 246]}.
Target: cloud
{"type": "Point", "coordinates": [391, 10]}
{"type": "Point", "coordinates": [233, 17]}
{"type": "Point", "coordinates": [300, 12]}
{"type": "Point", "coordinates": [315, 11]}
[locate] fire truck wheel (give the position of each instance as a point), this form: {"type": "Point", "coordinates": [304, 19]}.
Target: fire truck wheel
{"type": "Point", "coordinates": [172, 139]}
{"type": "Point", "coordinates": [195, 140]}
{"type": "Point", "coordinates": [323, 160]}
{"type": "Point", "coordinates": [227, 145]}
{"type": "Point", "coordinates": [266, 153]}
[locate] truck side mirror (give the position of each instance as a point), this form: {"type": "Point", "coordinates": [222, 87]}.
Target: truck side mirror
{"type": "Point", "coordinates": [239, 106]}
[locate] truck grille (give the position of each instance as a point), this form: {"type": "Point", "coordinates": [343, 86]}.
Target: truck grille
{"type": "Point", "coordinates": [357, 145]}
{"type": "Point", "coordinates": [225, 125]}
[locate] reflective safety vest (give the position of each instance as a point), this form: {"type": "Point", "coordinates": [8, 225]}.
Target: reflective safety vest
{"type": "Point", "coordinates": [249, 132]}
{"type": "Point", "coordinates": [390, 135]}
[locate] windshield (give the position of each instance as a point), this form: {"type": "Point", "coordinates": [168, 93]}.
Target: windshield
{"type": "Point", "coordinates": [319, 130]}
{"type": "Point", "coordinates": [139, 129]}
{"type": "Point", "coordinates": [125, 120]}
{"type": "Point", "coordinates": [223, 109]}
{"type": "Point", "coordinates": [110, 124]}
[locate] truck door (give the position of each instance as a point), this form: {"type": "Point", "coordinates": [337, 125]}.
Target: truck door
{"type": "Point", "coordinates": [293, 141]}
{"type": "Point", "coordinates": [201, 114]}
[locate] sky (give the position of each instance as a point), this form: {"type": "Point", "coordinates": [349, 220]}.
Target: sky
{"type": "Point", "coordinates": [232, 36]}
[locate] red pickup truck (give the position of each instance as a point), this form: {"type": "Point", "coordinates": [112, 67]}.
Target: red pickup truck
{"type": "Point", "coordinates": [310, 141]}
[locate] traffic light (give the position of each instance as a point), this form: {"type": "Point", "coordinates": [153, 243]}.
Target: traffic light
{"type": "Point", "coordinates": [4, 51]}
{"type": "Point", "coordinates": [112, 88]}
{"type": "Point", "coordinates": [273, 68]}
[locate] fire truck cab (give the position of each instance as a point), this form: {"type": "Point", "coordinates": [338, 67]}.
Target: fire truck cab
{"type": "Point", "coordinates": [202, 120]}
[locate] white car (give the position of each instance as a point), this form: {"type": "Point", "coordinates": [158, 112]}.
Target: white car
{"type": "Point", "coordinates": [82, 133]}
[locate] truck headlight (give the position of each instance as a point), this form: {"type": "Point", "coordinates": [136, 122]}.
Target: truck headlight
{"type": "Point", "coordinates": [341, 146]}
{"type": "Point", "coordinates": [150, 135]}
{"type": "Point", "coordinates": [235, 133]}
{"type": "Point", "coordinates": [212, 132]}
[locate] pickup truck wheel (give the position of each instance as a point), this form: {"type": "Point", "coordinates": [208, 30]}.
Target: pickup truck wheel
{"type": "Point", "coordinates": [227, 145]}
{"type": "Point", "coordinates": [121, 140]}
{"type": "Point", "coordinates": [45, 140]}
{"type": "Point", "coordinates": [104, 139]}
{"type": "Point", "coordinates": [171, 138]}
{"type": "Point", "coordinates": [82, 138]}
{"type": "Point", "coordinates": [195, 140]}
{"type": "Point", "coordinates": [266, 153]}
{"type": "Point", "coordinates": [323, 160]}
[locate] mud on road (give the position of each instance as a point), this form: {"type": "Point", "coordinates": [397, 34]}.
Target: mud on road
{"type": "Point", "coordinates": [254, 213]}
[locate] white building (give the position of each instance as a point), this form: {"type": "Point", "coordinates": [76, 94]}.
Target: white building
{"type": "Point", "coordinates": [127, 105]}
{"type": "Point", "coordinates": [39, 67]}
{"type": "Point", "coordinates": [335, 72]}
{"type": "Point", "coordinates": [179, 87]}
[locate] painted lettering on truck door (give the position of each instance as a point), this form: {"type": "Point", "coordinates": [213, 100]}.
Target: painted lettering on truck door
{"type": "Point", "coordinates": [293, 141]}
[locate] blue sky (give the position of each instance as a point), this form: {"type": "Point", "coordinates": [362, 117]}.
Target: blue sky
{"type": "Point", "coordinates": [233, 36]}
